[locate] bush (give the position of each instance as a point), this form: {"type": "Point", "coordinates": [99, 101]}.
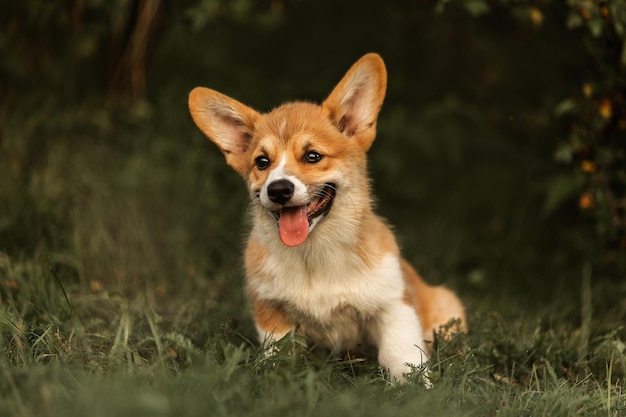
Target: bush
{"type": "Point", "coordinates": [593, 118]}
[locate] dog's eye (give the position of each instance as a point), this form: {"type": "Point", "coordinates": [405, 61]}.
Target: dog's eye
{"type": "Point", "coordinates": [312, 157]}
{"type": "Point", "coordinates": [262, 162]}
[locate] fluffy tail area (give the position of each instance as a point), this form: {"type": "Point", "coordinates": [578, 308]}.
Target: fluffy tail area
{"type": "Point", "coordinates": [436, 306]}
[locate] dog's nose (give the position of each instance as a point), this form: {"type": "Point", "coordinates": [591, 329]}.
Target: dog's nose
{"type": "Point", "coordinates": [280, 191]}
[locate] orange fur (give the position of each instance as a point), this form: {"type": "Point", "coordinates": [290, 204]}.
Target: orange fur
{"type": "Point", "coordinates": [434, 305]}
{"type": "Point", "coordinates": [270, 317]}
{"type": "Point", "coordinates": [341, 281]}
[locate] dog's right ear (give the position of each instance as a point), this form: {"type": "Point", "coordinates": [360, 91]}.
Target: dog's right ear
{"type": "Point", "coordinates": [226, 122]}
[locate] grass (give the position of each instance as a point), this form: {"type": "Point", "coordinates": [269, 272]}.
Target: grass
{"type": "Point", "coordinates": [121, 290]}
{"type": "Point", "coordinates": [114, 355]}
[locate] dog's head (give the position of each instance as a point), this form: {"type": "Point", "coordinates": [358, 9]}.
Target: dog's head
{"type": "Point", "coordinates": [300, 157]}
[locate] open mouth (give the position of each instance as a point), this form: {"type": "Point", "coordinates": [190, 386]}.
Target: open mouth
{"type": "Point", "coordinates": [318, 206]}
{"type": "Point", "coordinates": [294, 222]}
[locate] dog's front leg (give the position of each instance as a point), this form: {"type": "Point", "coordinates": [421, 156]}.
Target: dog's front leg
{"type": "Point", "coordinates": [398, 335]}
{"type": "Point", "coordinates": [271, 320]}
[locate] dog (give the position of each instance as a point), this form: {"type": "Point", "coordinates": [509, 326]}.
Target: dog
{"type": "Point", "coordinates": [319, 261]}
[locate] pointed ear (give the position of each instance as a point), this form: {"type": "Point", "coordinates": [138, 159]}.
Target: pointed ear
{"type": "Point", "coordinates": [227, 122]}
{"type": "Point", "coordinates": [355, 102]}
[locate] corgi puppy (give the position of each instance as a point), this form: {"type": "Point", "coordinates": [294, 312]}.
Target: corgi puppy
{"type": "Point", "coordinates": [318, 260]}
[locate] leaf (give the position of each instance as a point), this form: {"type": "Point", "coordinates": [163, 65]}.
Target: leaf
{"type": "Point", "coordinates": [558, 190]}
{"type": "Point", "coordinates": [476, 7]}
{"type": "Point", "coordinates": [563, 153]}
{"type": "Point", "coordinates": [565, 107]}
{"type": "Point", "coordinates": [574, 20]}
{"type": "Point", "coordinates": [596, 26]}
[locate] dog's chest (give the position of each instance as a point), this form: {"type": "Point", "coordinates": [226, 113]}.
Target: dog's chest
{"type": "Point", "coordinates": [334, 297]}
{"type": "Point", "coordinates": [347, 328]}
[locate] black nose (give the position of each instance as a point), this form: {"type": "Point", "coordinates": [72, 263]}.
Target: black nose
{"type": "Point", "coordinates": [280, 191]}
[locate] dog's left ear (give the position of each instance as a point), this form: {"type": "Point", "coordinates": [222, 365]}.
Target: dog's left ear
{"type": "Point", "coordinates": [354, 104]}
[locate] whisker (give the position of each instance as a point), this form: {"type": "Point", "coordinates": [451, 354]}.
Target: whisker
{"type": "Point", "coordinates": [321, 190]}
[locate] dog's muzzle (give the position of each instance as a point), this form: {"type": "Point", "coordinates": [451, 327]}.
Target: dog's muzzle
{"type": "Point", "coordinates": [295, 221]}
{"type": "Point", "coordinates": [281, 191]}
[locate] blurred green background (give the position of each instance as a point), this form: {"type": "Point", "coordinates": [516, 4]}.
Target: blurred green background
{"type": "Point", "coordinates": [499, 158]}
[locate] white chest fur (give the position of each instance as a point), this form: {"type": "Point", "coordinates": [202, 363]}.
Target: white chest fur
{"type": "Point", "coordinates": [332, 294]}
{"type": "Point", "coordinates": [317, 289]}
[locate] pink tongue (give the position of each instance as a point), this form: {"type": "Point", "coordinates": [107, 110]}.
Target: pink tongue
{"type": "Point", "coordinates": [293, 225]}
